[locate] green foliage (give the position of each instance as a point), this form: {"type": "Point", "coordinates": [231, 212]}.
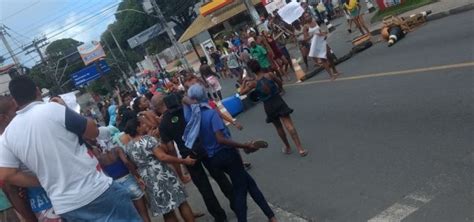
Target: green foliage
{"type": "Point", "coordinates": [179, 11]}
{"type": "Point", "coordinates": [98, 87]}
{"type": "Point", "coordinates": [61, 47]}
{"type": "Point", "coordinates": [178, 63]}
{"type": "Point", "coordinates": [2, 60]}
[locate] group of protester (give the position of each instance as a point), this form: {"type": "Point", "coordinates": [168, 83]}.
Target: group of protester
{"type": "Point", "coordinates": [267, 45]}
{"type": "Point", "coordinates": [56, 165]}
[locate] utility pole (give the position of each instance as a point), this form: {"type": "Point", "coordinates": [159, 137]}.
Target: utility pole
{"type": "Point", "coordinates": [3, 33]}
{"type": "Point", "coordinates": [170, 33]}
{"type": "Point", "coordinates": [124, 75]}
{"type": "Point", "coordinates": [37, 44]}
{"type": "Point", "coordinates": [130, 69]}
{"type": "Point", "coordinates": [253, 12]}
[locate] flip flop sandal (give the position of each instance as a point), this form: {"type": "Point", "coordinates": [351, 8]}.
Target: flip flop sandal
{"type": "Point", "coordinates": [287, 152]}
{"type": "Point", "coordinates": [199, 214]}
{"type": "Point", "coordinates": [304, 153]}
{"type": "Point", "coordinates": [260, 144]}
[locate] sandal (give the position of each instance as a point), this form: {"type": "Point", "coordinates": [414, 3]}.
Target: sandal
{"type": "Point", "coordinates": [199, 214]}
{"type": "Point", "coordinates": [304, 153]}
{"type": "Point", "coordinates": [285, 151]}
{"type": "Point", "coordinates": [260, 144]}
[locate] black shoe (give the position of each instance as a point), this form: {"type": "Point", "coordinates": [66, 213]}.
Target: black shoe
{"type": "Point", "coordinates": [247, 166]}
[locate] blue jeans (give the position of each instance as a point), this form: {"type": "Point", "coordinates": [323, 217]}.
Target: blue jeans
{"type": "Point", "coordinates": [131, 185]}
{"type": "Point", "coordinates": [115, 204]}
{"type": "Point", "coordinates": [229, 161]}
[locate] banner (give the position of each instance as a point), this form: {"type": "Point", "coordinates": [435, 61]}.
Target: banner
{"type": "Point", "coordinates": [384, 4]}
{"type": "Point", "coordinates": [272, 5]}
{"type": "Point", "coordinates": [91, 52]}
{"type": "Point", "coordinates": [291, 12]}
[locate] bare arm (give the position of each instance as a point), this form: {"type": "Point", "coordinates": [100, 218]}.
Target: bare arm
{"type": "Point", "coordinates": [18, 178]}
{"type": "Point", "coordinates": [130, 165]}
{"type": "Point", "coordinates": [91, 131]}
{"type": "Point", "coordinates": [228, 142]}
{"type": "Point", "coordinates": [166, 158]}
{"type": "Point", "coordinates": [169, 149]}
{"type": "Point", "coordinates": [21, 204]}
{"type": "Point", "coordinates": [248, 86]}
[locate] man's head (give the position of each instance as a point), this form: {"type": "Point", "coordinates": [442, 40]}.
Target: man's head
{"type": "Point", "coordinates": [24, 90]}
{"type": "Point", "coordinates": [198, 93]}
{"type": "Point", "coordinates": [190, 80]}
{"type": "Point", "coordinates": [127, 98]}
{"type": "Point", "coordinates": [7, 111]}
{"type": "Point", "coordinates": [158, 104]}
{"type": "Point", "coordinates": [253, 44]}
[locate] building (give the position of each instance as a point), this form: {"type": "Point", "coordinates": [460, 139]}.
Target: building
{"type": "Point", "coordinates": [216, 17]}
{"type": "Point", "coordinates": [5, 78]}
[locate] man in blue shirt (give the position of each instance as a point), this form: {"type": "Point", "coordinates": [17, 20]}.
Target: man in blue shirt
{"type": "Point", "coordinates": [223, 154]}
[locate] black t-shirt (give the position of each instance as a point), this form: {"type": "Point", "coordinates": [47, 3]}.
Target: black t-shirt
{"type": "Point", "coordinates": [172, 128]}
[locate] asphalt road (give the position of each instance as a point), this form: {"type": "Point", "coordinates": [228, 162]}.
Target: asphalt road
{"type": "Point", "coordinates": [396, 146]}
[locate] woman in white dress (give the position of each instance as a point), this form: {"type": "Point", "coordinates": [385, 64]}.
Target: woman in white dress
{"type": "Point", "coordinates": [319, 49]}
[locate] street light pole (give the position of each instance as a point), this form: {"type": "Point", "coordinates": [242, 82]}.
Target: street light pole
{"type": "Point", "coordinates": [170, 33]}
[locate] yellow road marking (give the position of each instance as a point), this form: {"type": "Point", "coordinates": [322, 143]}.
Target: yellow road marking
{"type": "Point", "coordinates": [393, 73]}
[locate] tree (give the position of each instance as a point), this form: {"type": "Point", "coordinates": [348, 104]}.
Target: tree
{"type": "Point", "coordinates": [180, 12]}
{"type": "Point", "coordinates": [56, 75]}
{"type": "Point", "coordinates": [2, 60]}
{"type": "Point", "coordinates": [61, 47]}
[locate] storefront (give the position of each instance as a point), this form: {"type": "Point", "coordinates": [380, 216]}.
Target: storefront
{"type": "Point", "coordinates": [230, 15]}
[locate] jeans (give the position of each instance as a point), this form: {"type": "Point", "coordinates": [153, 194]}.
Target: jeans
{"type": "Point", "coordinates": [201, 181]}
{"type": "Point", "coordinates": [114, 205]}
{"type": "Point", "coordinates": [230, 162]}
{"type": "Point", "coordinates": [131, 185]}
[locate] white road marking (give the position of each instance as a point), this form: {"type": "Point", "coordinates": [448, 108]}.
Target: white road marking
{"type": "Point", "coordinates": [286, 216]}
{"type": "Point", "coordinates": [393, 73]}
{"type": "Point", "coordinates": [417, 199]}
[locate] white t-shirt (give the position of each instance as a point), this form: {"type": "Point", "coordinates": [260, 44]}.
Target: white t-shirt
{"type": "Point", "coordinates": [44, 137]}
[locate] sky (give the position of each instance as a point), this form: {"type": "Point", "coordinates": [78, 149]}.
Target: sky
{"type": "Point", "coordinates": [83, 20]}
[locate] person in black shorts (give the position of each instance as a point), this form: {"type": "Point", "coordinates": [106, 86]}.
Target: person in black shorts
{"type": "Point", "coordinates": [267, 88]}
{"type": "Point", "coordinates": [172, 128]}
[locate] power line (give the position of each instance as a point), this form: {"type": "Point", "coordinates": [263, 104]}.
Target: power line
{"type": "Point", "coordinates": [63, 29]}
{"type": "Point", "coordinates": [20, 11]}
{"type": "Point", "coordinates": [72, 25]}
{"type": "Point", "coordinates": [80, 8]}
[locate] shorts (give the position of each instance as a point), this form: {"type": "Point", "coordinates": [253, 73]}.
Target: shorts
{"type": "Point", "coordinates": [113, 205]}
{"type": "Point", "coordinates": [355, 12]}
{"type": "Point", "coordinates": [131, 185]}
{"type": "Point", "coordinates": [219, 67]}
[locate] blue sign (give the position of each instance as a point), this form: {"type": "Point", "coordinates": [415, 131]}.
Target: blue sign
{"type": "Point", "coordinates": [90, 73]}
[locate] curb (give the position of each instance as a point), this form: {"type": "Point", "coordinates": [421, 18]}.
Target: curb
{"type": "Point", "coordinates": [375, 32]}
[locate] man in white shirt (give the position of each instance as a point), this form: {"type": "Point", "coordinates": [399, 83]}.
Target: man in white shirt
{"type": "Point", "coordinates": [48, 139]}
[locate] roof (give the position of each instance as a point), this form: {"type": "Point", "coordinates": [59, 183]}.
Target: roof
{"type": "Point", "coordinates": [203, 23]}
{"type": "Point", "coordinates": [5, 69]}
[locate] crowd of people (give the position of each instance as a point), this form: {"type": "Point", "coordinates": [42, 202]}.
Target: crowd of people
{"type": "Point", "coordinates": [268, 44]}
{"type": "Point", "coordinates": [59, 165]}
